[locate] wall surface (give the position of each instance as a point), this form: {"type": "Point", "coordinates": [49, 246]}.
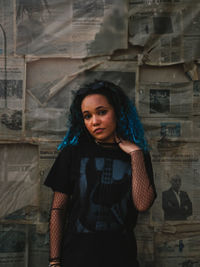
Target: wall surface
{"type": "Point", "coordinates": [48, 48]}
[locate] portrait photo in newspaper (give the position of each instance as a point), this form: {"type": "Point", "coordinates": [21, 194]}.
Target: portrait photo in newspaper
{"type": "Point", "coordinates": [176, 167]}
{"type": "Point", "coordinates": [176, 203]}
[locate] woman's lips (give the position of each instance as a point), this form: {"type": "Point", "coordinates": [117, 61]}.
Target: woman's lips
{"type": "Point", "coordinates": [99, 130]}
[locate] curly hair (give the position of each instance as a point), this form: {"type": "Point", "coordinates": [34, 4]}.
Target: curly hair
{"type": "Point", "coordinates": [128, 126]}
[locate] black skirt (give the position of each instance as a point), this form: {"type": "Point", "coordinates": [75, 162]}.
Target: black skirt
{"type": "Point", "coordinates": [100, 250]}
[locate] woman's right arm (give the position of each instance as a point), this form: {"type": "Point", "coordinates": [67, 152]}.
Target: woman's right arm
{"type": "Point", "coordinates": [56, 226]}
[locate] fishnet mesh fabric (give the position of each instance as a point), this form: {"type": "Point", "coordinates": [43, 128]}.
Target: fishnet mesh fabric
{"type": "Point", "coordinates": [142, 190]}
{"type": "Point", "coordinates": [56, 224]}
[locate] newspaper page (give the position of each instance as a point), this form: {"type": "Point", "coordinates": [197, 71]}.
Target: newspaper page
{"type": "Point", "coordinates": [38, 247]}
{"type": "Point", "coordinates": [164, 30]}
{"type": "Point", "coordinates": [48, 154]}
{"type": "Point", "coordinates": [166, 74]}
{"type": "Point", "coordinates": [191, 32]}
{"type": "Point", "coordinates": [196, 97]}
{"type": "Point", "coordinates": [75, 28]}
{"type": "Point", "coordinates": [144, 217]}
{"type": "Point", "coordinates": [173, 129]}
{"type": "Point", "coordinates": [46, 116]}
{"type": "Point", "coordinates": [177, 250]}
{"type": "Point", "coordinates": [11, 97]}
{"type": "Point", "coordinates": [6, 27]}
{"type": "Point", "coordinates": [165, 99]}
{"type": "Point", "coordinates": [19, 179]}
{"type": "Point", "coordinates": [13, 245]}
{"type": "Point", "coordinates": [196, 128]}
{"type": "Point", "coordinates": [145, 245]}
{"type": "Point", "coordinates": [176, 169]}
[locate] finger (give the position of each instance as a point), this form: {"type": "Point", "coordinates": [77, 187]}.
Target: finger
{"type": "Point", "coordinates": [116, 138]}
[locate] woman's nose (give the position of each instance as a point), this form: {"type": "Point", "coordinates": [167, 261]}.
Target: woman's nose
{"type": "Point", "coordinates": [95, 120]}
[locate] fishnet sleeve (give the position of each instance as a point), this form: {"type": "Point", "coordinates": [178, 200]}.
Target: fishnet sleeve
{"type": "Point", "coordinates": [56, 225]}
{"type": "Point", "coordinates": [143, 191]}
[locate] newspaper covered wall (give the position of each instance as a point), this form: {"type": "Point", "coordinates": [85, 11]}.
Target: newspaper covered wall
{"type": "Point", "coordinates": [48, 153]}
{"type": "Point", "coordinates": [19, 180]}
{"type": "Point", "coordinates": [7, 11]}
{"type": "Point", "coordinates": [165, 99]}
{"type": "Point", "coordinates": [13, 245]}
{"type": "Point", "coordinates": [53, 47]}
{"type": "Point", "coordinates": [168, 30]}
{"type": "Point", "coordinates": [145, 243]}
{"type": "Point", "coordinates": [23, 245]}
{"type": "Point", "coordinates": [176, 167]}
{"type": "Point", "coordinates": [170, 129]}
{"type": "Point", "coordinates": [168, 103]}
{"type": "Point", "coordinates": [165, 93]}
{"type": "Point", "coordinates": [12, 91]}
{"type": "Point", "coordinates": [38, 246]}
{"type": "Point", "coordinates": [177, 250]}
{"type": "Point", "coordinates": [71, 28]}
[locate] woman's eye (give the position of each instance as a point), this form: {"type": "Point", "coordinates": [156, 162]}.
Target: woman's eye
{"type": "Point", "coordinates": [86, 117]}
{"type": "Point", "coordinates": [102, 112]}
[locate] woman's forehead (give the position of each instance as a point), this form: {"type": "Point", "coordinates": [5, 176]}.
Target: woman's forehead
{"type": "Point", "coordinates": [94, 100]}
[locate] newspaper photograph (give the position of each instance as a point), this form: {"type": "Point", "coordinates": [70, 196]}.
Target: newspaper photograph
{"type": "Point", "coordinates": [75, 28]}
{"type": "Point", "coordinates": [19, 179]}
{"type": "Point", "coordinates": [13, 245]}
{"type": "Point", "coordinates": [165, 99]}
{"type": "Point", "coordinates": [176, 171]}
{"type": "Point", "coordinates": [177, 250]}
{"type": "Point", "coordinates": [11, 97]}
{"type": "Point", "coordinates": [6, 27]}
{"type": "Point", "coordinates": [165, 30]}
{"type": "Point", "coordinates": [169, 129]}
{"type": "Point", "coordinates": [46, 117]}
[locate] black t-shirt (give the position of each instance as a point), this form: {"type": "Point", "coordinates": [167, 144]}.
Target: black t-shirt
{"type": "Point", "coordinates": [98, 180]}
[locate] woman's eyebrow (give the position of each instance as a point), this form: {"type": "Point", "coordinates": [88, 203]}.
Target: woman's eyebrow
{"type": "Point", "coordinates": [85, 111]}
{"type": "Point", "coordinates": [97, 108]}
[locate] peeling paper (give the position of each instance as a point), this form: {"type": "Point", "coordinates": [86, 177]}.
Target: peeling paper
{"type": "Point", "coordinates": [75, 29]}
{"type": "Point", "coordinates": [164, 30]}
{"type": "Point", "coordinates": [19, 178]}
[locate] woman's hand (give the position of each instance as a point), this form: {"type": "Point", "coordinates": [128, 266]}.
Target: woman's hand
{"type": "Point", "coordinates": [126, 146]}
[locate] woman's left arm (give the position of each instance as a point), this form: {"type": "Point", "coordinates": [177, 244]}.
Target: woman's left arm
{"type": "Point", "coordinates": [143, 190]}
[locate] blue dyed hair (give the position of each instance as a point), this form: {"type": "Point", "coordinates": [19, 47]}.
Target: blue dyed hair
{"type": "Point", "coordinates": [128, 127]}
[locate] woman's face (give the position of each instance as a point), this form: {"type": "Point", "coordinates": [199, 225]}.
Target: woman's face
{"type": "Point", "coordinates": [99, 117]}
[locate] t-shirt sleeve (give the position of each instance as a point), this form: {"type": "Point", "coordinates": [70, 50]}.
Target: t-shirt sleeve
{"type": "Point", "coordinates": [59, 178]}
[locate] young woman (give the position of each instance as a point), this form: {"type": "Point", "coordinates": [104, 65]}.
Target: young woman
{"type": "Point", "coordinates": [101, 179]}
